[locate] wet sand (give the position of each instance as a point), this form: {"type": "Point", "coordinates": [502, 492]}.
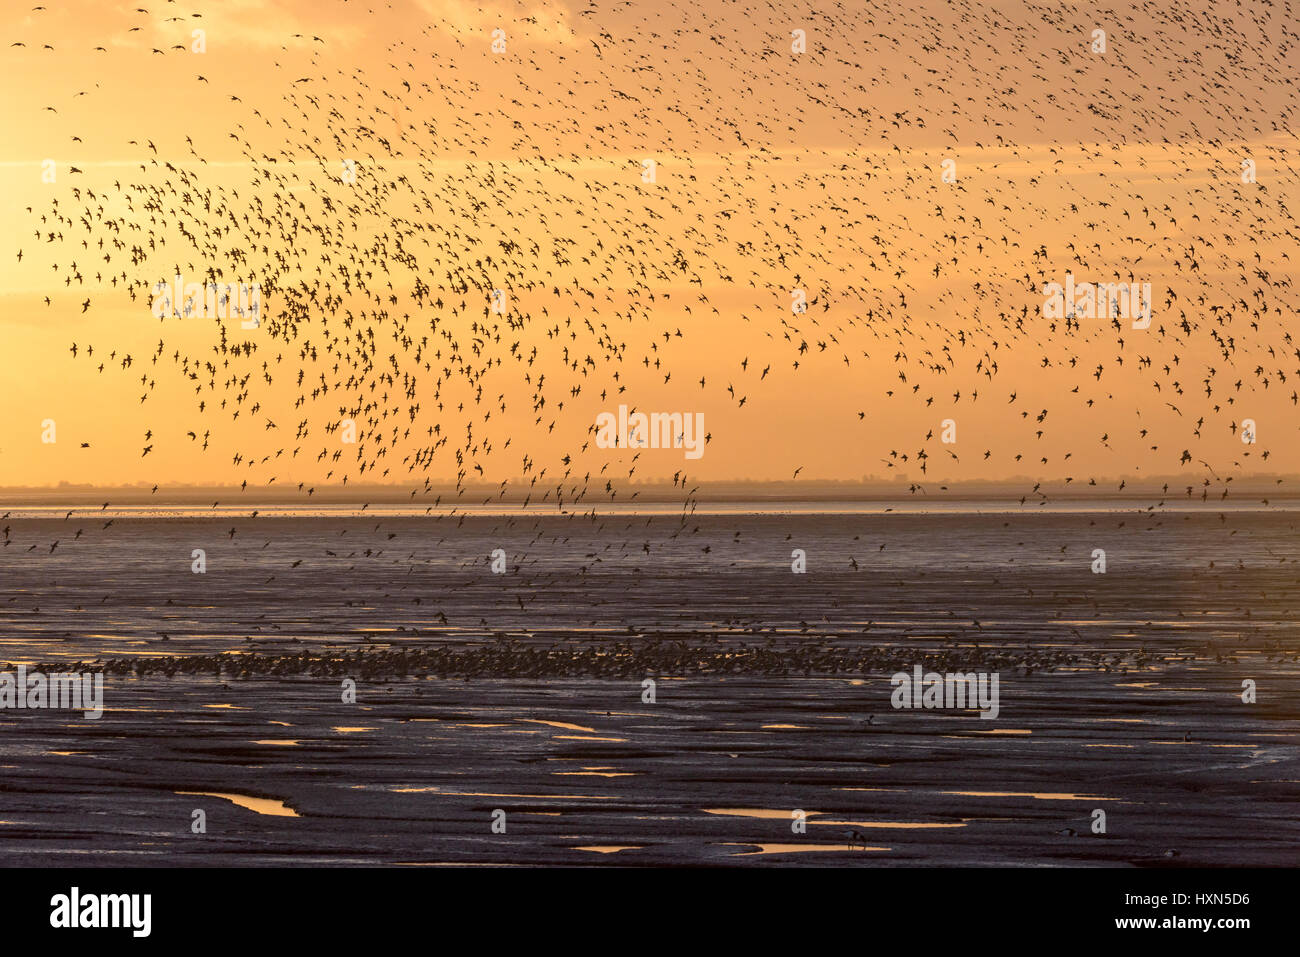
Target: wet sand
{"type": "Point", "coordinates": [709, 774]}
{"type": "Point", "coordinates": [1118, 692]}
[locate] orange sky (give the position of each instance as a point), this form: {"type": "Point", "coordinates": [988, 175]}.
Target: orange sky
{"type": "Point", "coordinates": [775, 170]}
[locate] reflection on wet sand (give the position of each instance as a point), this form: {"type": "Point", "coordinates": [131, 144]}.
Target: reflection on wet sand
{"type": "Point", "coordinates": [900, 825]}
{"type": "Point", "coordinates": [259, 805]}
{"type": "Point", "coordinates": [1044, 796]}
{"type": "Point", "coordinates": [562, 724]}
{"type": "Point", "coordinates": [798, 848]}
{"type": "Point", "coordinates": [769, 815]}
{"type": "Point", "coordinates": [526, 797]}
{"type": "Point", "coordinates": [1002, 731]}
{"type": "Point", "coordinates": [610, 848]}
{"type": "Point", "coordinates": [596, 774]}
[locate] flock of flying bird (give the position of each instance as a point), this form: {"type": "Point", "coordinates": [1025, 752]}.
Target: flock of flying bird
{"type": "Point", "coordinates": [461, 252]}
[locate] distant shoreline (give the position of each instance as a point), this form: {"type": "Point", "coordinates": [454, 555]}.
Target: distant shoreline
{"type": "Point", "coordinates": [1263, 491]}
{"type": "Point", "coordinates": [263, 511]}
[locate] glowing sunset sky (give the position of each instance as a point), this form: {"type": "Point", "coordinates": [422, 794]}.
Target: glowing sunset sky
{"type": "Point", "coordinates": [522, 171]}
